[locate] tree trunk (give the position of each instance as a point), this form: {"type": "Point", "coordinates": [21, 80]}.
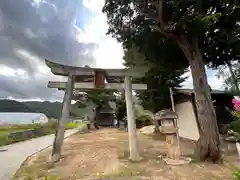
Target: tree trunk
{"type": "Point", "coordinates": [209, 142]}
{"type": "Point", "coordinates": [233, 77]}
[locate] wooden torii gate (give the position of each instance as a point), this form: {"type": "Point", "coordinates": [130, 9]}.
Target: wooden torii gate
{"type": "Point", "coordinates": [84, 79]}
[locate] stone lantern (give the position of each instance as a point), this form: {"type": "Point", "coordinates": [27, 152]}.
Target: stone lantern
{"type": "Point", "coordinates": [167, 119]}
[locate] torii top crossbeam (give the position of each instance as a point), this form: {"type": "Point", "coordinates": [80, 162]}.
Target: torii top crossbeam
{"type": "Point", "coordinates": [111, 74]}
{"type": "Point", "coordinates": [85, 77]}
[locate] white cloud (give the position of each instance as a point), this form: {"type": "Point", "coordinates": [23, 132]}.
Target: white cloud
{"type": "Point", "coordinates": [213, 81]}
{"type": "Point", "coordinates": [45, 30]}
{"type": "Point", "coordinates": [109, 52]}
{"type": "Point", "coordinates": [7, 71]}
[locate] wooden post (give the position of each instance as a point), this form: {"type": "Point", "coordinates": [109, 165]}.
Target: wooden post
{"type": "Point", "coordinates": [59, 136]}
{"type": "Point", "coordinates": [175, 120]}
{"type": "Point", "coordinates": [238, 148]}
{"type": "Point", "coordinates": [132, 135]}
{"type": "Point", "coordinates": [172, 101]}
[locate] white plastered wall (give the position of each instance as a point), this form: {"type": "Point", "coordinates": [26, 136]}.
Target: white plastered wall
{"type": "Point", "coordinates": [187, 121]}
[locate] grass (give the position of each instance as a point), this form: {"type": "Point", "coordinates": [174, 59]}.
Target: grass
{"type": "Point", "coordinates": [48, 128]}
{"type": "Point", "coordinates": [39, 168]}
{"type": "Point", "coordinates": [5, 130]}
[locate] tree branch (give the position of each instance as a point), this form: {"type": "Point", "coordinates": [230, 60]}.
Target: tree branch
{"type": "Point", "coordinates": [160, 25]}
{"type": "Point", "coordinates": [159, 6]}
{"type": "Point", "coordinates": [165, 32]}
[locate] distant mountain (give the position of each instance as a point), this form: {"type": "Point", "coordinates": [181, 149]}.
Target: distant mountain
{"type": "Point", "coordinates": [50, 109]}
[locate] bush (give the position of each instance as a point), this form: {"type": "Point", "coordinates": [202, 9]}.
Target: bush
{"type": "Point", "coordinates": [236, 114]}
{"type": "Point", "coordinates": [50, 127]}
{"type": "Point", "coordinates": [236, 175]}
{"type": "Point", "coordinates": [72, 125]}
{"type": "Point", "coordinates": [235, 126]}
{"type": "Point", "coordinates": [142, 115]}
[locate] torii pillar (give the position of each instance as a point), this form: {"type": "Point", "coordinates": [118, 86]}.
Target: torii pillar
{"type": "Point", "coordinates": [59, 136]}
{"type": "Point", "coordinates": [132, 134]}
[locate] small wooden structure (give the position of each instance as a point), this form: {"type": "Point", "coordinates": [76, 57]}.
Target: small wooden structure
{"type": "Point", "coordinates": [169, 129]}
{"type": "Point", "coordinates": [84, 79]}
{"type": "Point", "coordinates": [105, 115]}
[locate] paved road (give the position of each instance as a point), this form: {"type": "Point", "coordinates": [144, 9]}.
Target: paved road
{"type": "Point", "coordinates": [12, 156]}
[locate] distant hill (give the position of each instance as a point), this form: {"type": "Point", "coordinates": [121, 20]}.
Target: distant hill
{"type": "Point", "coordinates": [50, 109]}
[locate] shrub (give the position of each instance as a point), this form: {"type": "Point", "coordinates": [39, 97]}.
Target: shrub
{"type": "Point", "coordinates": [142, 115]}
{"type": "Point", "coordinates": [236, 175]}
{"type": "Point", "coordinates": [72, 125]}
{"type": "Point", "coordinates": [235, 126]}
{"type": "Point", "coordinates": [236, 114]}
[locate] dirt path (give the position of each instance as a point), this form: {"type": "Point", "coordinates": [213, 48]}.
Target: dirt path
{"type": "Point", "coordinates": [103, 155]}
{"type": "Point", "coordinates": [97, 154]}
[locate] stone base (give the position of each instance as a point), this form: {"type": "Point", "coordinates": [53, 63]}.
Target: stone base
{"type": "Point", "coordinates": [181, 161]}
{"type": "Point", "coordinates": [136, 159]}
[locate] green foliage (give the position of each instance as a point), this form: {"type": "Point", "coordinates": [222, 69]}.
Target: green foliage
{"type": "Point", "coordinates": [73, 125]}
{"type": "Point", "coordinates": [48, 128]}
{"type": "Point", "coordinates": [236, 175]}
{"type": "Point", "coordinates": [149, 51]}
{"type": "Point", "coordinates": [92, 99]}
{"type": "Point", "coordinates": [160, 74]}
{"type": "Point", "coordinates": [236, 114]}
{"type": "Point", "coordinates": [50, 109]}
{"type": "Point", "coordinates": [142, 115]}
{"type": "Point", "coordinates": [121, 106]}
{"type": "Point", "coordinates": [19, 127]}
{"type": "Point", "coordinates": [51, 178]}
{"type": "Point", "coordinates": [99, 97]}
{"type": "Point", "coordinates": [235, 126]}
{"type": "Point", "coordinates": [211, 25]}
{"type": "Point", "coordinates": [81, 109]}
{"type": "Point", "coordinates": [175, 34]}
{"type": "Point", "coordinates": [5, 130]}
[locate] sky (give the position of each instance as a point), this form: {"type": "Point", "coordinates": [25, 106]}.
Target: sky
{"type": "Point", "coordinates": [69, 32]}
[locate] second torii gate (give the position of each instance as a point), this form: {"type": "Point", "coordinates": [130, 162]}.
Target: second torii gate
{"type": "Point", "coordinates": [84, 79]}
